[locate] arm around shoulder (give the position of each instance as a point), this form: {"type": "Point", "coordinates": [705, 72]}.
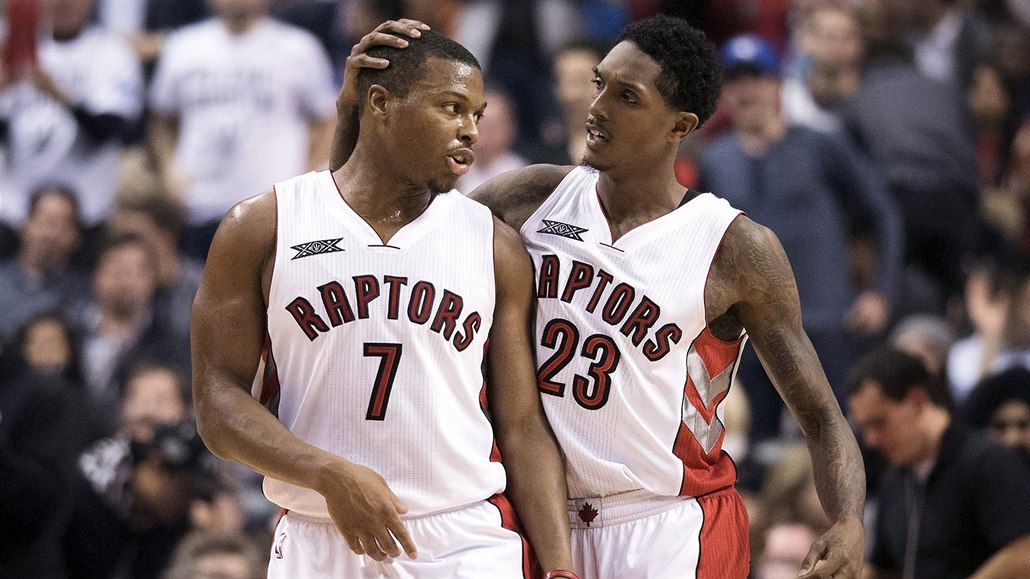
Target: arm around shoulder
{"type": "Point", "coordinates": [514, 196]}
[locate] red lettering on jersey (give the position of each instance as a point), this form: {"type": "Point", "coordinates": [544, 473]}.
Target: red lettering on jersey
{"type": "Point", "coordinates": [581, 276]}
{"type": "Point", "coordinates": [618, 303]}
{"type": "Point", "coordinates": [447, 315]}
{"type": "Point", "coordinates": [469, 328]}
{"type": "Point", "coordinates": [336, 305]}
{"type": "Point", "coordinates": [306, 318]}
{"type": "Point", "coordinates": [421, 305]}
{"type": "Point", "coordinates": [548, 286]}
{"type": "Point", "coordinates": [657, 348]}
{"type": "Point", "coordinates": [366, 289]}
{"type": "Point", "coordinates": [606, 278]}
{"type": "Point", "coordinates": [641, 320]}
{"type": "Point", "coordinates": [395, 294]}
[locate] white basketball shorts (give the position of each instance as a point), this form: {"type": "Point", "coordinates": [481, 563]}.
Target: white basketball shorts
{"type": "Point", "coordinates": [640, 535]}
{"type": "Point", "coordinates": [477, 541]}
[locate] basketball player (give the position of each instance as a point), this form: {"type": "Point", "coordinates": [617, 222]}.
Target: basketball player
{"type": "Point", "coordinates": [647, 292]}
{"type": "Point", "coordinates": [375, 293]}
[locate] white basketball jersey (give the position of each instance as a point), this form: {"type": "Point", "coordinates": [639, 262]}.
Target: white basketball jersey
{"type": "Point", "coordinates": [378, 347]}
{"type": "Point", "coordinates": [629, 374]}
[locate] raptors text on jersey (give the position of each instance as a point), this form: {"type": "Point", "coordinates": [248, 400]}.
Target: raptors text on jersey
{"type": "Point", "coordinates": [377, 347]}
{"type": "Point", "coordinates": [630, 375]}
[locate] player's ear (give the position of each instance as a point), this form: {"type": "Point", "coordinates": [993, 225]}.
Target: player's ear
{"type": "Point", "coordinates": [378, 99]}
{"type": "Point", "coordinates": [684, 125]}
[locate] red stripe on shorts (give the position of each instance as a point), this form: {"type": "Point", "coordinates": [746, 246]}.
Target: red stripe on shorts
{"type": "Point", "coordinates": [510, 521]}
{"type": "Point", "coordinates": [725, 552]}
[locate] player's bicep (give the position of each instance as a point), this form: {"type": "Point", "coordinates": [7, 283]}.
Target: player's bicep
{"type": "Point", "coordinates": [228, 316]}
{"type": "Point", "coordinates": [511, 372]}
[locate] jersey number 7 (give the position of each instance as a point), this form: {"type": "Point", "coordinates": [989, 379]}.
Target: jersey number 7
{"type": "Point", "coordinates": [389, 357]}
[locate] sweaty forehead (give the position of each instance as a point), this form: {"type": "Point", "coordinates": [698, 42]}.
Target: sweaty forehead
{"type": "Point", "coordinates": [627, 64]}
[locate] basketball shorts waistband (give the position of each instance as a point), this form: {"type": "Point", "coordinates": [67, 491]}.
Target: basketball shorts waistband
{"type": "Point", "coordinates": [593, 512]}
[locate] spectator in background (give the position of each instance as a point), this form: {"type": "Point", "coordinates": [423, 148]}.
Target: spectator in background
{"type": "Point", "coordinates": [917, 132]}
{"type": "Point", "coordinates": [146, 23]}
{"type": "Point", "coordinates": [40, 276]}
{"type": "Point", "coordinates": [515, 40]}
{"type": "Point", "coordinates": [498, 131]}
{"type": "Point", "coordinates": [998, 307]}
{"type": "Point", "coordinates": [40, 436]}
{"type": "Point", "coordinates": [241, 101]}
{"type": "Point", "coordinates": [1000, 406]}
{"type": "Point", "coordinates": [47, 345]}
{"type": "Point", "coordinates": [782, 551]}
{"type": "Point", "coordinates": [812, 190]}
{"type": "Point", "coordinates": [928, 337]}
{"type": "Point", "coordinates": [990, 103]}
{"type": "Point", "coordinates": [827, 69]}
{"type": "Point", "coordinates": [953, 504]}
{"type": "Point", "coordinates": [153, 394]}
{"type": "Point", "coordinates": [133, 504]}
{"type": "Point", "coordinates": [948, 39]}
{"type": "Point", "coordinates": [159, 220]}
{"type": "Point", "coordinates": [573, 70]}
{"type": "Point", "coordinates": [205, 555]}
{"type": "Point", "coordinates": [338, 25]}
{"type": "Point", "coordinates": [67, 115]}
{"type": "Point", "coordinates": [119, 325]}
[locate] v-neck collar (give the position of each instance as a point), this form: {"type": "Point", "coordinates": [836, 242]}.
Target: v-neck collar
{"type": "Point", "coordinates": [409, 233]}
{"type": "Point", "coordinates": [637, 236]}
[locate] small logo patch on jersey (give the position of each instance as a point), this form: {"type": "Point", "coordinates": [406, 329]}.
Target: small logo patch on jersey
{"type": "Point", "coordinates": [317, 247]}
{"type": "Point", "coordinates": [587, 513]}
{"type": "Point", "coordinates": [563, 229]}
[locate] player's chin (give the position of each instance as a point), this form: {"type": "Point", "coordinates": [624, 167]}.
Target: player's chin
{"type": "Point", "coordinates": [442, 185]}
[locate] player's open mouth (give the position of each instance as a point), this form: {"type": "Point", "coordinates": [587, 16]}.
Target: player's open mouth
{"type": "Point", "coordinates": [595, 136]}
{"type": "Point", "coordinates": [460, 161]}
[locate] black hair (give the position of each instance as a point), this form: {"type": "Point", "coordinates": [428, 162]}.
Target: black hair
{"type": "Point", "coordinates": [63, 191]}
{"type": "Point", "coordinates": [897, 373]}
{"type": "Point", "coordinates": [166, 213]}
{"type": "Point", "coordinates": [117, 241]}
{"type": "Point", "coordinates": [992, 392]}
{"type": "Point", "coordinates": [690, 77]}
{"type": "Point", "coordinates": [408, 65]}
{"type": "Point", "coordinates": [70, 372]}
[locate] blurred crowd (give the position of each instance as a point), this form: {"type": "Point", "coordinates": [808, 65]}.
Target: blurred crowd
{"type": "Point", "coordinates": [886, 142]}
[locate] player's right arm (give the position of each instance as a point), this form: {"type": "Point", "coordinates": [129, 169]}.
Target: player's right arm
{"type": "Point", "coordinates": [228, 331]}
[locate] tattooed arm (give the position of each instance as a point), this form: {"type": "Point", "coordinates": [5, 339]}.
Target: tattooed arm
{"type": "Point", "coordinates": [751, 285]}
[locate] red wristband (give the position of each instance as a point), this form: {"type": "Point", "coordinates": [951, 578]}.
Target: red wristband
{"type": "Point", "coordinates": [560, 574]}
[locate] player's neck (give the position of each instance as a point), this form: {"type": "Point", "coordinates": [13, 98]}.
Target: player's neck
{"type": "Point", "coordinates": [377, 195]}
{"type": "Point", "coordinates": [631, 201]}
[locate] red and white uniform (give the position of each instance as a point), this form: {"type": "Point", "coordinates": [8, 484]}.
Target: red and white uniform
{"type": "Point", "coordinates": [378, 351]}
{"type": "Point", "coordinates": [630, 376]}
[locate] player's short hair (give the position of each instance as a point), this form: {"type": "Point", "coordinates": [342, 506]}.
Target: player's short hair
{"type": "Point", "coordinates": [690, 77]}
{"type": "Point", "coordinates": [408, 65]}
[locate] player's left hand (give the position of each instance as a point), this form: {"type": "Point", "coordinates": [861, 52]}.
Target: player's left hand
{"type": "Point", "coordinates": [836, 554]}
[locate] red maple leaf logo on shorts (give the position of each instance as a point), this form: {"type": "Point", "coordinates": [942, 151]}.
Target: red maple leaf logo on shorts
{"type": "Point", "coordinates": [587, 513]}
